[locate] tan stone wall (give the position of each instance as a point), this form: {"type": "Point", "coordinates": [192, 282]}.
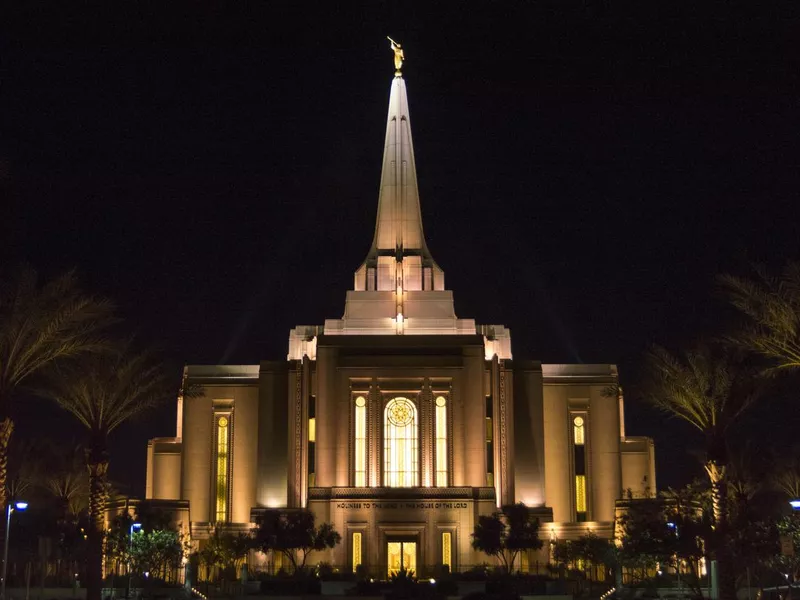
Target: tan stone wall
{"type": "Point", "coordinates": [529, 456]}
{"type": "Point", "coordinates": [605, 478]}
{"type": "Point", "coordinates": [196, 467]}
{"type": "Point", "coordinates": [421, 520]}
{"type": "Point", "coordinates": [245, 452]}
{"type": "Point", "coordinates": [638, 467]}
{"type": "Point", "coordinates": [558, 471]}
{"type": "Point", "coordinates": [273, 435]}
{"type": "Point", "coordinates": [166, 475]}
{"type": "Point", "coordinates": [469, 393]}
{"type": "Point", "coordinates": [198, 437]}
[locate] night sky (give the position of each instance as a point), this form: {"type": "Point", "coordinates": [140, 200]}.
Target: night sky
{"type": "Point", "coordinates": [585, 170]}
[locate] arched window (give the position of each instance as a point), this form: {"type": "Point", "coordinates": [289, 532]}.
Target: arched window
{"type": "Point", "coordinates": [361, 443]}
{"type": "Point", "coordinates": [400, 454]}
{"type": "Point", "coordinates": [222, 479]}
{"type": "Point", "coordinates": [441, 442]}
{"type": "Point", "coordinates": [579, 451]}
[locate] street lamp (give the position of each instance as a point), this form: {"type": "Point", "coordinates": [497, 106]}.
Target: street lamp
{"type": "Point", "coordinates": [20, 506]}
{"type": "Point", "coordinates": [137, 527]}
{"type": "Point", "coordinates": [674, 527]}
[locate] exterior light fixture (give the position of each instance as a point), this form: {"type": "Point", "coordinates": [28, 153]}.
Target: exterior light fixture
{"type": "Point", "coordinates": [795, 504]}
{"type": "Point", "coordinates": [134, 527]}
{"type": "Point", "coordinates": [19, 506]}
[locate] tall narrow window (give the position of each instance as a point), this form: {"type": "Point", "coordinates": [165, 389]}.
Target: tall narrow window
{"type": "Point", "coordinates": [441, 442]}
{"type": "Point", "coordinates": [312, 442]}
{"type": "Point", "coordinates": [356, 550]}
{"type": "Point", "coordinates": [360, 458]}
{"type": "Point", "coordinates": [447, 548]}
{"type": "Point", "coordinates": [579, 446]}
{"type": "Point", "coordinates": [489, 443]}
{"type": "Point", "coordinates": [401, 462]}
{"type": "Point", "coordinates": [223, 443]}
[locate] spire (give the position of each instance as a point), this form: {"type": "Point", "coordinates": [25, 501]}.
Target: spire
{"type": "Point", "coordinates": [399, 256]}
{"type": "Point", "coordinates": [399, 224]}
{"type": "Point", "coordinates": [399, 289]}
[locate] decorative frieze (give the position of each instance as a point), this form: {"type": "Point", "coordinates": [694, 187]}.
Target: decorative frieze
{"type": "Point", "coordinates": [465, 493]}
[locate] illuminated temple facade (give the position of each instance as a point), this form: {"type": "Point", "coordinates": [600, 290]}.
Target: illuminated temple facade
{"type": "Point", "coordinates": [400, 423]}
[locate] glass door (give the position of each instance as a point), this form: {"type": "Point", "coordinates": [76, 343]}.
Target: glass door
{"type": "Point", "coordinates": [402, 555]}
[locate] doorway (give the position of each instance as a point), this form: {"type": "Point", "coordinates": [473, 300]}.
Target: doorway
{"type": "Point", "coordinates": [401, 555]}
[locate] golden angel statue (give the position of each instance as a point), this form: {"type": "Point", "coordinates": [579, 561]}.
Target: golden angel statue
{"type": "Point", "coordinates": [398, 55]}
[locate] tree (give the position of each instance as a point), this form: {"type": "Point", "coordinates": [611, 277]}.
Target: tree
{"type": "Point", "coordinates": [293, 532]}
{"type": "Point", "coordinates": [591, 550]}
{"type": "Point", "coordinates": [671, 530]}
{"type": "Point", "coordinates": [66, 479]}
{"type": "Point", "coordinates": [40, 326]}
{"type": "Point", "coordinates": [103, 393]}
{"type": "Point", "coordinates": [709, 389]}
{"type": "Point", "coordinates": [226, 551]}
{"type": "Point", "coordinates": [772, 307]}
{"type": "Point", "coordinates": [157, 550]}
{"type": "Point", "coordinates": [505, 534]}
{"type": "Point", "coordinates": [25, 467]}
{"type": "Point", "coordinates": [789, 529]}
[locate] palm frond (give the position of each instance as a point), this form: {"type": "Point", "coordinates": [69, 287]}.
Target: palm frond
{"type": "Point", "coordinates": [706, 387]}
{"type": "Point", "coordinates": [42, 324]}
{"type": "Point", "coordinates": [104, 391]}
{"type": "Point", "coordinates": [772, 308]}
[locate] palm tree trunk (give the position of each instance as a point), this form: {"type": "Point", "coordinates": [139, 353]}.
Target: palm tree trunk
{"type": "Point", "coordinates": [719, 498]}
{"type": "Point", "coordinates": [97, 463]}
{"type": "Point", "coordinates": [6, 429]}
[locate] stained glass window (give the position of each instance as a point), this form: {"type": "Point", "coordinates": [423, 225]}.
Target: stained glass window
{"type": "Point", "coordinates": [401, 464]}
{"type": "Point", "coordinates": [579, 463]}
{"type": "Point", "coordinates": [579, 434]}
{"type": "Point", "coordinates": [356, 549]}
{"type": "Point", "coordinates": [447, 548]}
{"type": "Point", "coordinates": [223, 433]}
{"type": "Point", "coordinates": [580, 495]}
{"type": "Point", "coordinates": [312, 441]}
{"type": "Point", "coordinates": [441, 442]}
{"type": "Point", "coordinates": [361, 442]}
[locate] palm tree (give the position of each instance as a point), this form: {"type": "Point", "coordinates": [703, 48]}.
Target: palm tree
{"type": "Point", "coordinates": [39, 326]}
{"type": "Point", "coordinates": [102, 394]}
{"type": "Point", "coordinates": [67, 480]}
{"type": "Point", "coordinates": [706, 388]}
{"type": "Point", "coordinates": [772, 306]}
{"type": "Point", "coordinates": [785, 476]}
{"type": "Point", "coordinates": [26, 465]}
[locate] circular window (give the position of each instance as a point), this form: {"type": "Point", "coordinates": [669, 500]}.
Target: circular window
{"type": "Point", "coordinates": [578, 421]}
{"type": "Point", "coordinates": [440, 401]}
{"type": "Point", "coordinates": [401, 412]}
{"type": "Point", "coordinates": [223, 422]}
{"type": "Point", "coordinates": [360, 401]}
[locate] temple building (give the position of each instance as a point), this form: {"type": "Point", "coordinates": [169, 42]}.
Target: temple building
{"type": "Point", "coordinates": [399, 422]}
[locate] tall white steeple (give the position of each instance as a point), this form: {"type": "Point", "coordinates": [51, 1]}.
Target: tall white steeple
{"type": "Point", "coordinates": [399, 254]}
{"type": "Point", "coordinates": [399, 288]}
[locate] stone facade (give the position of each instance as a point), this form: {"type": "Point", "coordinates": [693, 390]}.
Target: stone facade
{"type": "Point", "coordinates": [479, 428]}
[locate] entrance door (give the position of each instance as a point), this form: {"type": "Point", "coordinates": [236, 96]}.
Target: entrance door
{"type": "Point", "coordinates": [402, 555]}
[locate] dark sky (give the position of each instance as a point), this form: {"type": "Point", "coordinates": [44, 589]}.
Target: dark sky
{"type": "Point", "coordinates": [585, 170]}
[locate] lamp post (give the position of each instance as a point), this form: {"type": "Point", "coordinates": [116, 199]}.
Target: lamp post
{"type": "Point", "coordinates": [137, 527]}
{"type": "Point", "coordinates": [674, 526]}
{"type": "Point", "coordinates": [20, 506]}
